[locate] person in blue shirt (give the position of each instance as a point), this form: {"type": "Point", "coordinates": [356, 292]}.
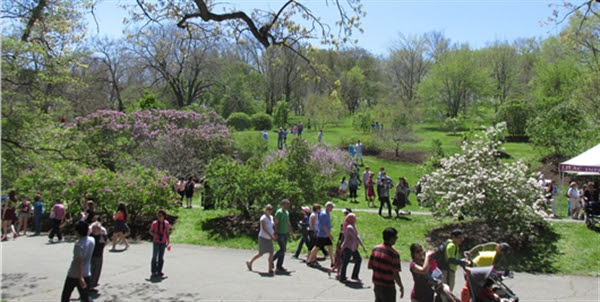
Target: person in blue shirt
{"type": "Point", "coordinates": [38, 213]}
{"type": "Point", "coordinates": [324, 236]}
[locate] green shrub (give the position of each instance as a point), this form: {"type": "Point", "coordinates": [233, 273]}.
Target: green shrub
{"type": "Point", "coordinates": [362, 121]}
{"type": "Point", "coordinates": [239, 121]}
{"type": "Point", "coordinates": [262, 121]}
{"type": "Point", "coordinates": [248, 146]}
{"type": "Point", "coordinates": [143, 190]}
{"type": "Point", "coordinates": [515, 114]}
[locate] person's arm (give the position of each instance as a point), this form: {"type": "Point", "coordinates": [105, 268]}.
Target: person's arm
{"type": "Point", "coordinates": [326, 229]}
{"type": "Point", "coordinates": [152, 233]}
{"type": "Point", "coordinates": [291, 230]}
{"type": "Point", "coordinates": [424, 269]}
{"type": "Point", "coordinates": [81, 280]}
{"type": "Point", "coordinates": [168, 234]}
{"type": "Point", "coordinates": [399, 282]}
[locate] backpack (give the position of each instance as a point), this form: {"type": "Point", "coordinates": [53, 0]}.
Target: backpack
{"type": "Point", "coordinates": [189, 186]}
{"type": "Point", "coordinates": [440, 256]}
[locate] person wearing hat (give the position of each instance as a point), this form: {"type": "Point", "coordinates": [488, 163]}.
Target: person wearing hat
{"type": "Point", "coordinates": [305, 229]}
{"type": "Point", "coordinates": [452, 257]}
{"type": "Point", "coordinates": [324, 236]}
{"type": "Point", "coordinates": [283, 228]}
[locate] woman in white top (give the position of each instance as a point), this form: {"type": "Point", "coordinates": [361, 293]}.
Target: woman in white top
{"type": "Point", "coordinates": [266, 235]}
{"type": "Point", "coordinates": [573, 194]}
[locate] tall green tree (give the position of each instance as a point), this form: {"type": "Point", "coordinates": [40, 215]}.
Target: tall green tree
{"type": "Point", "coordinates": [455, 82]}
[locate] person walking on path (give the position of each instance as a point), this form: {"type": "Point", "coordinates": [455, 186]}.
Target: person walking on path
{"type": "Point", "coordinates": [452, 257]}
{"type": "Point", "coordinates": [350, 248]}
{"type": "Point", "coordinates": [160, 231]}
{"type": "Point", "coordinates": [38, 213]}
{"type": "Point", "coordinates": [57, 214]}
{"type": "Point", "coordinates": [385, 263]}
{"type": "Point", "coordinates": [283, 228]}
{"type": "Point", "coordinates": [79, 274]}
{"type": "Point", "coordinates": [9, 213]}
{"type": "Point", "coordinates": [305, 229]}
{"type": "Point", "coordinates": [121, 227]}
{"type": "Point", "coordinates": [324, 236]}
{"type": "Point", "coordinates": [100, 238]}
{"type": "Point", "coordinates": [266, 235]}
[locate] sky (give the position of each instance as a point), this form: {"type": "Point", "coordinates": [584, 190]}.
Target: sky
{"type": "Point", "coordinates": [477, 23]}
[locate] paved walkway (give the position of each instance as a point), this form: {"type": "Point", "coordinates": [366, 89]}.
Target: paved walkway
{"type": "Point", "coordinates": [35, 270]}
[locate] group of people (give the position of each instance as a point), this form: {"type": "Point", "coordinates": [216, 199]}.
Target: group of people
{"type": "Point", "coordinates": [383, 185]}
{"type": "Point", "coordinates": [432, 276]}
{"type": "Point", "coordinates": [15, 212]}
{"type": "Point", "coordinates": [86, 266]}
{"type": "Point", "coordinates": [283, 132]}
{"type": "Point", "coordinates": [317, 234]}
{"type": "Point", "coordinates": [356, 152]}
{"type": "Point", "coordinates": [578, 198]}
{"type": "Point", "coordinates": [186, 189]}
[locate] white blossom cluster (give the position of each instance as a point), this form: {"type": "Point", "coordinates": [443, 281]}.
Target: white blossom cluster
{"type": "Point", "coordinates": [478, 184]}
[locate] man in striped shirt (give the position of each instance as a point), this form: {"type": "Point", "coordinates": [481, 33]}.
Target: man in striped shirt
{"type": "Point", "coordinates": [385, 263]}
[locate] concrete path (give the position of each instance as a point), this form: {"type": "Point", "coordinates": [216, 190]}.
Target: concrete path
{"type": "Point", "coordinates": [35, 270]}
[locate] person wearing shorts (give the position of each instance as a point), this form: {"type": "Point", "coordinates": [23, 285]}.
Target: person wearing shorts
{"type": "Point", "coordinates": [266, 235]}
{"type": "Point", "coordinates": [324, 237]}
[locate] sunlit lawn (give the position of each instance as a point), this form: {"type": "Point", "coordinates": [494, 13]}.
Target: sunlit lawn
{"type": "Point", "coordinates": [579, 246]}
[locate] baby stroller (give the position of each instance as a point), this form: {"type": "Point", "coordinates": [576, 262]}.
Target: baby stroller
{"type": "Point", "coordinates": [483, 280]}
{"type": "Point", "coordinates": [592, 214]}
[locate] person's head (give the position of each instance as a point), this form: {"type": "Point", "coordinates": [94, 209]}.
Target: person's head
{"type": "Point", "coordinates": [268, 209]}
{"type": "Point", "coordinates": [316, 207]}
{"type": "Point", "coordinates": [190, 178]}
{"type": "Point", "coordinates": [25, 198]}
{"type": "Point", "coordinates": [161, 215]}
{"type": "Point", "coordinates": [90, 205]}
{"type": "Point", "coordinates": [96, 228]}
{"type": "Point", "coordinates": [343, 179]}
{"type": "Point", "coordinates": [329, 206]}
{"type": "Point", "coordinates": [12, 195]}
{"type": "Point", "coordinates": [285, 204]}
{"type": "Point", "coordinates": [81, 228]}
{"type": "Point", "coordinates": [382, 169]}
{"type": "Point", "coordinates": [503, 248]}
{"type": "Point", "coordinates": [416, 251]}
{"type": "Point", "coordinates": [350, 219]}
{"type": "Point", "coordinates": [390, 235]}
{"type": "Point", "coordinates": [37, 197]}
{"type": "Point", "coordinates": [347, 211]}
{"type": "Point", "coordinates": [305, 210]}
{"type": "Point", "coordinates": [573, 184]}
{"type": "Point", "coordinates": [541, 176]}
{"type": "Point", "coordinates": [56, 201]}
{"type": "Point", "coordinates": [367, 168]}
{"type": "Point", "coordinates": [457, 236]}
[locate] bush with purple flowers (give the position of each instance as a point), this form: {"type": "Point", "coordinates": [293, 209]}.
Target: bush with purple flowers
{"type": "Point", "coordinates": [178, 142]}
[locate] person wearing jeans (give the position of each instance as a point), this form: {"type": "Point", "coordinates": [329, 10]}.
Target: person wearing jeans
{"type": "Point", "coordinates": [282, 227]}
{"type": "Point", "coordinates": [159, 230]}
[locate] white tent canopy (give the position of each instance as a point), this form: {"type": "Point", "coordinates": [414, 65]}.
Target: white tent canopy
{"type": "Point", "coordinates": [587, 162]}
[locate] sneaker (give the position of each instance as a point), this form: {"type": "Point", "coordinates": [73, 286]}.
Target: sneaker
{"type": "Point", "coordinates": [50, 240]}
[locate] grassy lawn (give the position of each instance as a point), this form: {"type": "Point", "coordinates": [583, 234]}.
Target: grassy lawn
{"type": "Point", "coordinates": [579, 246]}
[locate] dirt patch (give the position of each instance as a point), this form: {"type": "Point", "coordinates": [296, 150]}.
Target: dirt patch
{"type": "Point", "coordinates": [409, 156]}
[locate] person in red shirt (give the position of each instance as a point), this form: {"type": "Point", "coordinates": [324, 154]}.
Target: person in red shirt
{"type": "Point", "coordinates": [385, 263]}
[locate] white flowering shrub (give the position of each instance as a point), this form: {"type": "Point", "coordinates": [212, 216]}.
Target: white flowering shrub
{"type": "Point", "coordinates": [479, 185]}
